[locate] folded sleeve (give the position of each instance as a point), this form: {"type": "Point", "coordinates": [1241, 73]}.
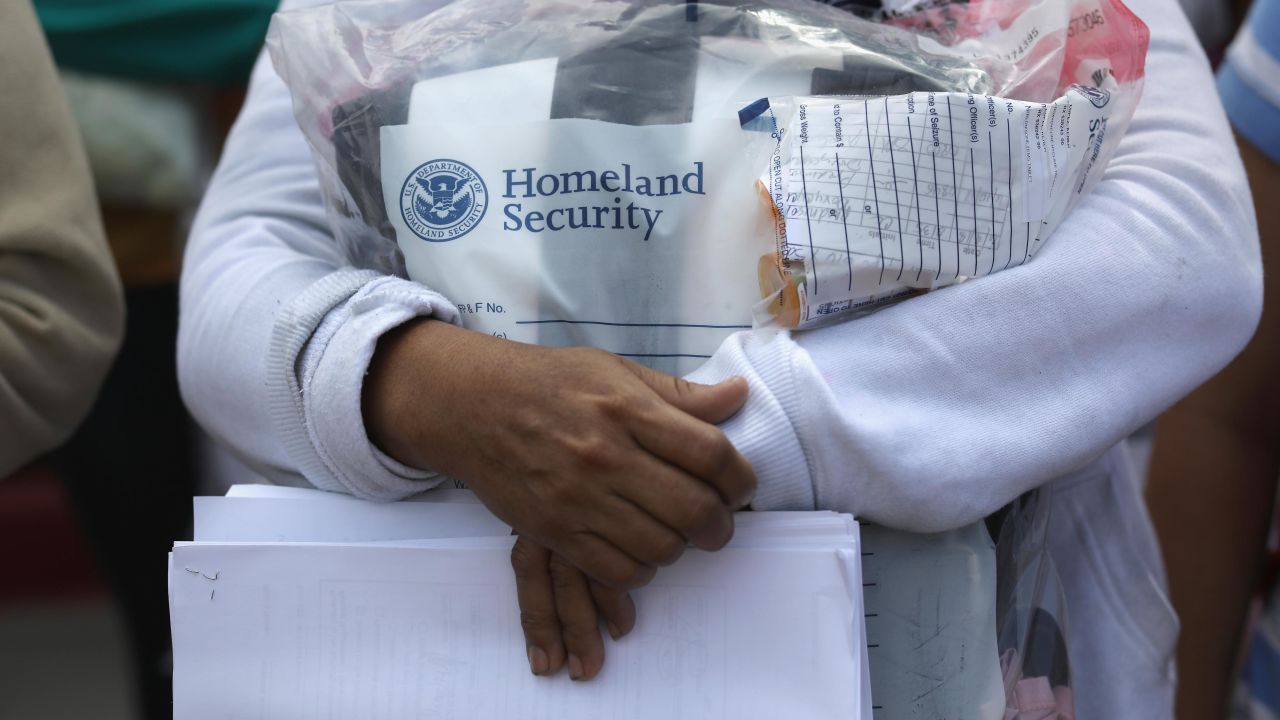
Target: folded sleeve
{"type": "Point", "coordinates": [276, 328]}
{"type": "Point", "coordinates": [937, 411]}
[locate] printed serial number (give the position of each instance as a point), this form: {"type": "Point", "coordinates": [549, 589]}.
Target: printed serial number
{"type": "Point", "coordinates": [1086, 22]}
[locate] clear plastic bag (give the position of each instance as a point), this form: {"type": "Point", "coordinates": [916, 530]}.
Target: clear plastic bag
{"type": "Point", "coordinates": [352, 67]}
{"type": "Point", "coordinates": [516, 154]}
{"type": "Point", "coordinates": [931, 604]}
{"type": "Point", "coordinates": [969, 624]}
{"type": "Point", "coordinates": [1031, 613]}
{"type": "Point", "coordinates": [568, 140]}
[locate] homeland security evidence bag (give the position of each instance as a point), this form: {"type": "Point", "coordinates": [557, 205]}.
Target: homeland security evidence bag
{"type": "Point", "coordinates": [650, 176]}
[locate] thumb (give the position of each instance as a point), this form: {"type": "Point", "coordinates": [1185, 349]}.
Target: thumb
{"type": "Point", "coordinates": [710, 403]}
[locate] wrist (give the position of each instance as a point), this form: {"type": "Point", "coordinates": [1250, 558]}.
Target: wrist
{"type": "Point", "coordinates": [401, 397]}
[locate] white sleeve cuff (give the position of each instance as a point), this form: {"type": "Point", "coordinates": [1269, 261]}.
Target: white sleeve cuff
{"type": "Point", "coordinates": [323, 421]}
{"type": "Point", "coordinates": [764, 430]}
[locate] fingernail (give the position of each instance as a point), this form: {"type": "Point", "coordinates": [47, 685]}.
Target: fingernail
{"type": "Point", "coordinates": [614, 632]}
{"type": "Point", "coordinates": [538, 662]}
{"type": "Point", "coordinates": [575, 668]}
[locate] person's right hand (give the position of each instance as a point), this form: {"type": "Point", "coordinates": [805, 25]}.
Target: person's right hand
{"type": "Point", "coordinates": [605, 462]}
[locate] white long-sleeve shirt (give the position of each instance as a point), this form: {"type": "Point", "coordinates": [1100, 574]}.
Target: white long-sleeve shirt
{"type": "Point", "coordinates": [927, 415]}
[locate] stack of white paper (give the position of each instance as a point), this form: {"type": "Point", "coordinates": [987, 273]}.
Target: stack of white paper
{"type": "Point", "coordinates": [302, 604]}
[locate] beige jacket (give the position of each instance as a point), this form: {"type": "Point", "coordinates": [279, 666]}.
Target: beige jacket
{"type": "Point", "coordinates": [61, 307]}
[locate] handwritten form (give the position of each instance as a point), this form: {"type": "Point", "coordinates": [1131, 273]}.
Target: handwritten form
{"type": "Point", "coordinates": [407, 628]}
{"type": "Point", "coordinates": [882, 196]}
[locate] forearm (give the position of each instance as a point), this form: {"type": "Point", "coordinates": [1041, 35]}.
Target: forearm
{"type": "Point", "coordinates": [1211, 496]}
{"type": "Point", "coordinates": [386, 401]}
{"type": "Point", "coordinates": [1213, 486]}
{"type": "Point", "coordinates": [937, 411]}
{"type": "Point", "coordinates": [276, 328]}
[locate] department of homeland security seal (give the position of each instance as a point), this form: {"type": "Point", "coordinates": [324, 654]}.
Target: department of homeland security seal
{"type": "Point", "coordinates": [443, 200]}
{"type": "Point", "coordinates": [1098, 96]}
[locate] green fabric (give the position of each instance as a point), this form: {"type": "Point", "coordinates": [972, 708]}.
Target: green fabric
{"type": "Point", "coordinates": [188, 41]}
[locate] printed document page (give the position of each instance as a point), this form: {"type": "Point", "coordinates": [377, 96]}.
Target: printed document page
{"type": "Point", "coordinates": [341, 631]}
{"type": "Point", "coordinates": [319, 519]}
{"type": "Point", "coordinates": [286, 492]}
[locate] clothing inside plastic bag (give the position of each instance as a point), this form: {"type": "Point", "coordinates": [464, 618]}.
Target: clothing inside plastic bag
{"type": "Point", "coordinates": [931, 616]}
{"type": "Point", "coordinates": [963, 627]}
{"type": "Point", "coordinates": [1031, 613]}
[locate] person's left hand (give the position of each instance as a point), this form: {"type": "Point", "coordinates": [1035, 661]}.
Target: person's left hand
{"type": "Point", "coordinates": [560, 612]}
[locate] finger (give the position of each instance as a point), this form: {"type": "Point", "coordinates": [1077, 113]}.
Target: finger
{"type": "Point", "coordinates": [681, 502]}
{"type": "Point", "coordinates": [538, 616]}
{"type": "Point", "coordinates": [603, 561]}
{"type": "Point", "coordinates": [709, 403]}
{"type": "Point", "coordinates": [579, 623]}
{"type": "Point", "coordinates": [700, 449]}
{"type": "Point", "coordinates": [636, 532]}
{"type": "Point", "coordinates": [616, 608]}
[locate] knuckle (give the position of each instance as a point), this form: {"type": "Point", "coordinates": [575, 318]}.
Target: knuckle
{"type": "Point", "coordinates": [738, 483]}
{"type": "Point", "coordinates": [715, 449]}
{"type": "Point", "coordinates": [550, 490]}
{"type": "Point", "coordinates": [608, 599]}
{"type": "Point", "coordinates": [523, 559]}
{"type": "Point", "coordinates": [594, 451]}
{"type": "Point", "coordinates": [723, 453]}
{"type": "Point", "coordinates": [564, 577]}
{"type": "Point", "coordinates": [642, 576]}
{"type": "Point", "coordinates": [668, 550]}
{"type": "Point", "coordinates": [620, 574]}
{"type": "Point", "coordinates": [698, 510]}
{"type": "Point", "coordinates": [748, 483]}
{"type": "Point", "coordinates": [617, 406]}
{"type": "Point", "coordinates": [529, 422]}
{"type": "Point", "coordinates": [726, 533]}
{"type": "Point", "coordinates": [537, 622]}
{"type": "Point", "coordinates": [580, 628]}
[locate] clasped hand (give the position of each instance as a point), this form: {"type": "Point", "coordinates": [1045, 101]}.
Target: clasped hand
{"type": "Point", "coordinates": [605, 469]}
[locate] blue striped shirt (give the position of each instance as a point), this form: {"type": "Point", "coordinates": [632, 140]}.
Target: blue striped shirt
{"type": "Point", "coordinates": [1249, 80]}
{"type": "Point", "coordinates": [1249, 83]}
{"type": "Point", "coordinates": [1258, 694]}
